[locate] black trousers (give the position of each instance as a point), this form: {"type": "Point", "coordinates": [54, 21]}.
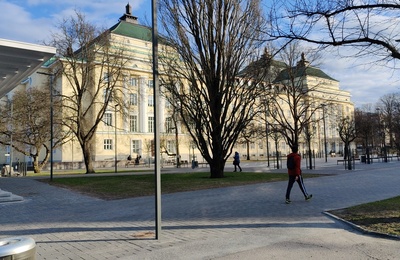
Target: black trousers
{"type": "Point", "coordinates": [292, 179]}
{"type": "Point", "coordinates": [237, 165]}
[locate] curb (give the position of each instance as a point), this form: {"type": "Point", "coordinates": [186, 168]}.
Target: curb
{"type": "Point", "coordinates": [363, 230]}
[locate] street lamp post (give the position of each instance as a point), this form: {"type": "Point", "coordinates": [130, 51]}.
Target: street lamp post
{"type": "Point", "coordinates": [323, 118]}
{"type": "Point", "coordinates": [266, 129]}
{"type": "Point", "coordinates": [115, 145]}
{"type": "Point", "coordinates": [156, 120]}
{"type": "Point", "coordinates": [382, 134]}
{"type": "Point", "coordinates": [267, 133]}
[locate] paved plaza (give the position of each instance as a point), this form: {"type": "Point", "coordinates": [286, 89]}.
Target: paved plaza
{"type": "Point", "coordinates": [246, 222]}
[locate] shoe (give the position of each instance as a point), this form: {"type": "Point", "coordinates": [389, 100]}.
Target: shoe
{"type": "Point", "coordinates": [288, 201]}
{"type": "Point", "coordinates": [309, 197]}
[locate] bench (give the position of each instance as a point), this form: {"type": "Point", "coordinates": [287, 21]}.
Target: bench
{"type": "Point", "coordinates": [343, 160]}
{"type": "Point", "coordinates": [185, 162]}
{"type": "Point", "coordinates": [132, 162]}
{"type": "Point", "coordinates": [181, 163]}
{"type": "Point", "coordinates": [203, 164]}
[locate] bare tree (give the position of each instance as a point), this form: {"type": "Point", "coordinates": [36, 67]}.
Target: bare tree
{"type": "Point", "coordinates": [291, 104]}
{"type": "Point", "coordinates": [276, 135]}
{"type": "Point", "coordinates": [92, 66]}
{"type": "Point", "coordinates": [366, 122]}
{"type": "Point", "coordinates": [213, 41]}
{"type": "Point", "coordinates": [396, 128]}
{"type": "Point", "coordinates": [248, 136]}
{"type": "Point", "coordinates": [388, 105]}
{"type": "Point", "coordinates": [27, 117]}
{"type": "Point", "coordinates": [371, 27]}
{"type": "Point", "coordinates": [348, 133]}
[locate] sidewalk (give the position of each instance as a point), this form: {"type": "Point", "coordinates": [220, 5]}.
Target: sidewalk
{"type": "Point", "coordinates": [246, 222]}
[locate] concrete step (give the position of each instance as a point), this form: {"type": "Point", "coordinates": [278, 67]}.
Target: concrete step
{"type": "Point", "coordinates": [12, 198]}
{"type": "Point", "coordinates": [6, 196]}
{"type": "Point", "coordinates": [5, 193]}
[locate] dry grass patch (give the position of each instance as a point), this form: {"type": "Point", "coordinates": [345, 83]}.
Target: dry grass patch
{"type": "Point", "coordinates": [129, 186]}
{"type": "Point", "coordinates": [380, 216]}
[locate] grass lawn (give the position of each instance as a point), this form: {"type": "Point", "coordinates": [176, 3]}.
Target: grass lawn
{"type": "Point", "coordinates": [381, 216]}
{"type": "Point", "coordinates": [129, 186]}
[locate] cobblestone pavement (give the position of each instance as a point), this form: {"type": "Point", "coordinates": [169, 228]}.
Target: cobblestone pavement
{"type": "Point", "coordinates": [246, 222]}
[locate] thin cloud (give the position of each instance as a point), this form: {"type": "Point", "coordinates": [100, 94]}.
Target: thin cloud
{"type": "Point", "coordinates": [33, 21]}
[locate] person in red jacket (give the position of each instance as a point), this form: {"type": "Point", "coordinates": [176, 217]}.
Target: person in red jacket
{"type": "Point", "coordinates": [294, 171]}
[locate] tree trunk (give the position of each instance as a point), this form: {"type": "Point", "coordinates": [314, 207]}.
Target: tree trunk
{"type": "Point", "coordinates": [87, 155]}
{"type": "Point", "coordinates": [349, 156]}
{"type": "Point", "coordinates": [217, 168]}
{"type": "Point", "coordinates": [310, 153]}
{"type": "Point", "coordinates": [248, 150]}
{"type": "Point", "coordinates": [346, 150]}
{"type": "Point", "coordinates": [36, 168]}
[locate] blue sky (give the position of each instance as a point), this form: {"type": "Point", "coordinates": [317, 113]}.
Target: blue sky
{"type": "Point", "coordinates": [33, 20]}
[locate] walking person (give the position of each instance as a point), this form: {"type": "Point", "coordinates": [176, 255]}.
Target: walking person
{"type": "Point", "coordinates": [294, 172]}
{"type": "Point", "coordinates": [236, 161]}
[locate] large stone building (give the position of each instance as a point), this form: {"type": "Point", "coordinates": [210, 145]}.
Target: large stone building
{"type": "Point", "coordinates": [131, 132]}
{"type": "Point", "coordinates": [316, 93]}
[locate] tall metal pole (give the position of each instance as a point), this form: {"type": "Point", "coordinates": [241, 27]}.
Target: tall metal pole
{"type": "Point", "coordinates": [266, 129]}
{"type": "Point", "coordinates": [323, 118]}
{"type": "Point", "coordinates": [11, 140]}
{"type": "Point", "coordinates": [267, 133]}
{"type": "Point", "coordinates": [115, 146]}
{"type": "Point", "coordinates": [51, 127]}
{"type": "Point", "coordinates": [156, 120]}
{"type": "Point", "coordinates": [381, 127]}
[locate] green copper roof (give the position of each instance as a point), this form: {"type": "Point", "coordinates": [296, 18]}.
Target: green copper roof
{"type": "Point", "coordinates": [301, 72]}
{"type": "Point", "coordinates": [132, 30]}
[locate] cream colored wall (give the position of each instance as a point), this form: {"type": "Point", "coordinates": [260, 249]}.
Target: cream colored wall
{"type": "Point", "coordinates": [322, 91]}
{"type": "Point", "coordinates": [139, 67]}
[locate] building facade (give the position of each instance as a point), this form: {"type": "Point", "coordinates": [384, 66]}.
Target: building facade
{"type": "Point", "coordinates": [129, 131]}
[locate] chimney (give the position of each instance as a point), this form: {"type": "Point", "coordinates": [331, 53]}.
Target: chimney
{"type": "Point", "coordinates": [128, 17]}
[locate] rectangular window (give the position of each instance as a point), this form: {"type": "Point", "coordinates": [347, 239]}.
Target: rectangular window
{"type": "Point", "coordinates": [150, 101]}
{"type": "Point", "coordinates": [168, 104]}
{"type": "Point", "coordinates": [106, 77]}
{"type": "Point", "coordinates": [107, 118]}
{"type": "Point", "coordinates": [150, 83]}
{"type": "Point", "coordinates": [133, 99]}
{"type": "Point", "coordinates": [132, 123]}
{"type": "Point", "coordinates": [108, 95]}
{"type": "Point", "coordinates": [171, 146]}
{"type": "Point", "coordinates": [108, 144]}
{"type": "Point", "coordinates": [135, 146]}
{"type": "Point", "coordinates": [168, 125]}
{"type": "Point", "coordinates": [150, 124]}
{"type": "Point", "coordinates": [133, 82]}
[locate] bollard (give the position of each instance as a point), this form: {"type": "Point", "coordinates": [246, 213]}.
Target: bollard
{"type": "Point", "coordinates": [17, 248]}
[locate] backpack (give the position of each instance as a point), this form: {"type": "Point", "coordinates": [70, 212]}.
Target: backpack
{"type": "Point", "coordinates": [290, 163]}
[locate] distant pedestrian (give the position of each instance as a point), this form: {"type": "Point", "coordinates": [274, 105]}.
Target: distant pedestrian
{"type": "Point", "coordinates": [236, 161]}
{"type": "Point", "coordinates": [294, 172]}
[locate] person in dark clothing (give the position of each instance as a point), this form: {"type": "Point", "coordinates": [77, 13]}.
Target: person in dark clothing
{"type": "Point", "coordinates": [294, 172]}
{"type": "Point", "coordinates": [236, 161]}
